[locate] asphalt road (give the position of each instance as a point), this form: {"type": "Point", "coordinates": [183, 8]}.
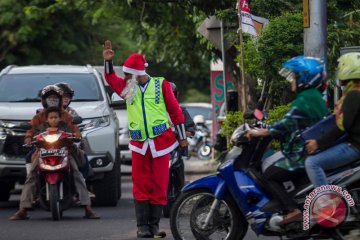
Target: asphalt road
{"type": "Point", "coordinates": [115, 223]}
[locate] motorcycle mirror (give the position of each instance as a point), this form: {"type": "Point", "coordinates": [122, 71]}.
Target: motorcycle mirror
{"type": "Point", "coordinates": [258, 114]}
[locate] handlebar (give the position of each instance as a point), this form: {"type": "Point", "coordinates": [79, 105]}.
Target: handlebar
{"type": "Point", "coordinates": [259, 124]}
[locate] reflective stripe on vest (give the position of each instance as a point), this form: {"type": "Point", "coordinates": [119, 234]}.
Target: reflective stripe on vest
{"type": "Point", "coordinates": [147, 114]}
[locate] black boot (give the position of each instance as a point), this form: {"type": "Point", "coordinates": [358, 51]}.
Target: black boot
{"type": "Point", "coordinates": [142, 210]}
{"type": "Point", "coordinates": [154, 219]}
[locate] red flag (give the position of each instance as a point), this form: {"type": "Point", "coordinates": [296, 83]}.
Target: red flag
{"type": "Point", "coordinates": [247, 23]}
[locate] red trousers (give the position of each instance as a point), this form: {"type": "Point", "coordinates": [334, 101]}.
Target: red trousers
{"type": "Point", "coordinates": [150, 177]}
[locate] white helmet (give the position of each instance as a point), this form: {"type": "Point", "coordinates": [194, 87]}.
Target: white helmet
{"type": "Point", "coordinates": [199, 119]}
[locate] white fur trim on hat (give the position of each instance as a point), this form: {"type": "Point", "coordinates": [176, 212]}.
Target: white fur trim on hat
{"type": "Point", "coordinates": [134, 71]}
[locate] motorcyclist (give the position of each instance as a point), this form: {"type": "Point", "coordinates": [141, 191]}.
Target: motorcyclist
{"type": "Point", "coordinates": [68, 94]}
{"type": "Point", "coordinates": [51, 96]}
{"type": "Point", "coordinates": [347, 112]}
{"type": "Point", "coordinates": [305, 75]}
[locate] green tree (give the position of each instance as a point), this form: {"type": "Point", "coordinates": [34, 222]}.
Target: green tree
{"type": "Point", "coordinates": [45, 32]}
{"type": "Point", "coordinates": [281, 40]}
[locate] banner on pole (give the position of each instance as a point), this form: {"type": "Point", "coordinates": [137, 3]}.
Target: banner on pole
{"type": "Point", "coordinates": [218, 95]}
{"type": "Point", "coordinates": [247, 23]}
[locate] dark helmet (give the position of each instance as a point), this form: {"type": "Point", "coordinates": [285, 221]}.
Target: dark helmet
{"type": "Point", "coordinates": [51, 90]}
{"type": "Point", "coordinates": [66, 89]}
{"type": "Point", "coordinates": [308, 72]}
{"type": "Point", "coordinates": [175, 90]}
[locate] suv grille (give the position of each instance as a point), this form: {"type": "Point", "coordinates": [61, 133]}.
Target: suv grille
{"type": "Point", "coordinates": [15, 138]}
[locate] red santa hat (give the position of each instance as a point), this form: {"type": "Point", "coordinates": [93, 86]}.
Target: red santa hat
{"type": "Point", "coordinates": [135, 64]}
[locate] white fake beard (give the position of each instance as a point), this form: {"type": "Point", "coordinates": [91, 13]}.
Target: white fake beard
{"type": "Point", "coordinates": [130, 89]}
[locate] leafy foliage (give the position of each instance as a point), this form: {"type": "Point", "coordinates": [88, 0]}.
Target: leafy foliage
{"type": "Point", "coordinates": [235, 119]}
{"type": "Point", "coordinates": [343, 29]}
{"type": "Point", "coordinates": [232, 121]}
{"type": "Point", "coordinates": [277, 113]}
{"type": "Point", "coordinates": [45, 32]}
{"type": "Point", "coordinates": [280, 41]}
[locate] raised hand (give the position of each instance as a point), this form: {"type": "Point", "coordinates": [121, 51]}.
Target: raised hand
{"type": "Point", "coordinates": [108, 53]}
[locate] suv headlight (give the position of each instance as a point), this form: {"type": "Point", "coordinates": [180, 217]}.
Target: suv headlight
{"type": "Point", "coordinates": [2, 131]}
{"type": "Point", "coordinates": [93, 123]}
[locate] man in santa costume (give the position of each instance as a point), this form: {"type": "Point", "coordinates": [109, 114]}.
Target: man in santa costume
{"type": "Point", "coordinates": [150, 101]}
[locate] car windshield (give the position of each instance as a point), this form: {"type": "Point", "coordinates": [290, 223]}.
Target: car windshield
{"type": "Point", "coordinates": [193, 111]}
{"type": "Point", "coordinates": [26, 87]}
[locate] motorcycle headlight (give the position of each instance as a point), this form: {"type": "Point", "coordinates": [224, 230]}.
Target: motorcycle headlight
{"type": "Point", "coordinates": [52, 137]}
{"type": "Point", "coordinates": [96, 123]}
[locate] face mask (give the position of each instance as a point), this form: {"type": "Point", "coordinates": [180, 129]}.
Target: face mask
{"type": "Point", "coordinates": [52, 102]}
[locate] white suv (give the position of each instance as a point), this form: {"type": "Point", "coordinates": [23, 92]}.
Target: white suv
{"type": "Point", "coordinates": [19, 100]}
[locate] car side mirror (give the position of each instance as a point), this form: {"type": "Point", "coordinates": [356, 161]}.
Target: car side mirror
{"type": "Point", "coordinates": [117, 102]}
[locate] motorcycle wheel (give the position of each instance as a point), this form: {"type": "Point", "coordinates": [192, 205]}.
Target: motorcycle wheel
{"type": "Point", "coordinates": [190, 211]}
{"type": "Point", "coordinates": [55, 202]}
{"type": "Point", "coordinates": [350, 232]}
{"type": "Point", "coordinates": [204, 152]}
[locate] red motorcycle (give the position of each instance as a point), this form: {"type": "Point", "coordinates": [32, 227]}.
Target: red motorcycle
{"type": "Point", "coordinates": [55, 183]}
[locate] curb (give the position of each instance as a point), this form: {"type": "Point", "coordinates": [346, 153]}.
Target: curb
{"type": "Point", "coordinates": [200, 166]}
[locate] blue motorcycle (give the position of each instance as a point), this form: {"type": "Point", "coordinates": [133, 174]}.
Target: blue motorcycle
{"type": "Point", "coordinates": [224, 205]}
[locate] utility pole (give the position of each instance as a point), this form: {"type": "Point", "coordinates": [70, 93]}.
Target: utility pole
{"type": "Point", "coordinates": [223, 55]}
{"type": "Point", "coordinates": [315, 34]}
{"type": "Point", "coordinates": [241, 85]}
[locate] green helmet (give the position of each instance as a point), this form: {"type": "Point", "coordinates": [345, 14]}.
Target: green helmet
{"type": "Point", "coordinates": [349, 66]}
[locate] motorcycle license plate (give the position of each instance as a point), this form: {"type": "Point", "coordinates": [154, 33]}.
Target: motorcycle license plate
{"type": "Point", "coordinates": [52, 153]}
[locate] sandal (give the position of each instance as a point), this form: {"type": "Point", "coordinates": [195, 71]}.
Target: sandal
{"type": "Point", "coordinates": [19, 215]}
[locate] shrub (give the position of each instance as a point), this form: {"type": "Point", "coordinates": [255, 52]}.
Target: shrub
{"type": "Point", "coordinates": [235, 119]}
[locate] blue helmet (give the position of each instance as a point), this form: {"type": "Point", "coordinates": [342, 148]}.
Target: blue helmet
{"type": "Point", "coordinates": [308, 72]}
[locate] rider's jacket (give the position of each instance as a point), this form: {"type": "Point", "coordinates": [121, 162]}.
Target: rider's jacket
{"type": "Point", "coordinates": [308, 108]}
{"type": "Point", "coordinates": [351, 121]}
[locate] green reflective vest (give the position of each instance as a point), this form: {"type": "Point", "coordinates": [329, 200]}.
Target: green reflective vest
{"type": "Point", "coordinates": [147, 114]}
